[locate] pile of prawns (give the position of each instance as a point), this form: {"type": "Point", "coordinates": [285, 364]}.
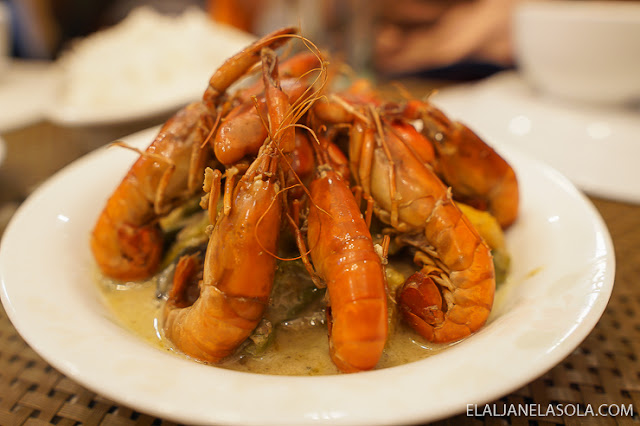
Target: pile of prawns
{"type": "Point", "coordinates": [269, 150]}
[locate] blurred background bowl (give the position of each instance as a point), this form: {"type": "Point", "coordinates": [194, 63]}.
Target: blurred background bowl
{"type": "Point", "coordinates": [580, 50]}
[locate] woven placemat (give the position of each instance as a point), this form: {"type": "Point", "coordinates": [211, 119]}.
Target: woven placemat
{"type": "Point", "coordinates": [604, 369]}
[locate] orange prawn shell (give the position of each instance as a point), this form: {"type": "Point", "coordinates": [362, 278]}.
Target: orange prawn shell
{"type": "Point", "coordinates": [342, 253]}
{"type": "Point", "coordinates": [478, 175]}
{"type": "Point", "coordinates": [126, 242]}
{"type": "Point", "coordinates": [477, 171]}
{"type": "Point", "coordinates": [237, 280]}
{"type": "Point", "coordinates": [416, 185]}
{"type": "Point", "coordinates": [411, 197]}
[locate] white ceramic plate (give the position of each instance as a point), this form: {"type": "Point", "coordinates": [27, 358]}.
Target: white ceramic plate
{"type": "Point", "coordinates": [563, 270]}
{"type": "Point", "coordinates": [596, 147]}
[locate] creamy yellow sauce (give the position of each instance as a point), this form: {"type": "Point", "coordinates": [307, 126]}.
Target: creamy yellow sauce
{"type": "Point", "coordinates": [305, 352]}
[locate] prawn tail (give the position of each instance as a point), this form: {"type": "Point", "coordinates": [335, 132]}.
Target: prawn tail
{"type": "Point", "coordinates": [452, 296]}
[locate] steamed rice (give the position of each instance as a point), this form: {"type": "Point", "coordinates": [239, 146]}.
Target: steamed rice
{"type": "Point", "coordinates": [147, 60]}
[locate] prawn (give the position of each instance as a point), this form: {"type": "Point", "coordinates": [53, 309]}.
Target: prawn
{"type": "Point", "coordinates": [126, 240]}
{"type": "Point", "coordinates": [453, 296]}
{"type": "Point", "coordinates": [233, 297]}
{"type": "Point", "coordinates": [343, 255]}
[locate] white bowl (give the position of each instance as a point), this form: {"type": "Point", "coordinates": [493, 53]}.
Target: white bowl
{"type": "Point", "coordinates": [580, 50]}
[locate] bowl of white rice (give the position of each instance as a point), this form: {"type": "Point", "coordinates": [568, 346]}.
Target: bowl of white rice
{"type": "Point", "coordinates": [147, 65]}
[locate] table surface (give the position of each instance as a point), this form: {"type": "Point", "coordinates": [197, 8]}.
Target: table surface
{"type": "Point", "coordinates": [604, 369]}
